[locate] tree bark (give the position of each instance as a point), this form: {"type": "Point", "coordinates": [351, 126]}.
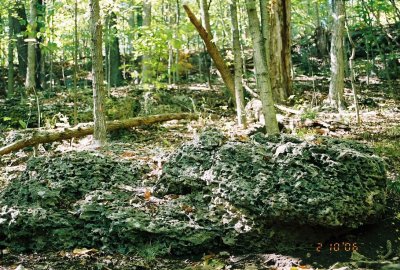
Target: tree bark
{"type": "Point", "coordinates": [146, 67]}
{"type": "Point", "coordinates": [40, 63]}
{"type": "Point", "coordinates": [205, 16]}
{"type": "Point", "coordinates": [214, 53]}
{"type": "Point", "coordinates": [205, 21]}
{"type": "Point", "coordinates": [336, 87]}
{"type": "Point", "coordinates": [10, 77]}
{"type": "Point", "coordinates": [237, 54]}
{"type": "Point", "coordinates": [262, 75]}
{"type": "Point", "coordinates": [98, 74]}
{"type": "Point", "coordinates": [352, 74]}
{"type": "Point", "coordinates": [30, 82]}
{"type": "Point", "coordinates": [280, 65]}
{"type": "Point", "coordinates": [76, 48]}
{"type": "Point", "coordinates": [84, 130]}
{"type": "Point", "coordinates": [113, 56]}
{"type": "Point", "coordinates": [264, 16]}
{"type": "Point", "coordinates": [19, 31]}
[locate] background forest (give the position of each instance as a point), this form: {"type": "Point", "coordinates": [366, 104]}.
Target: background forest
{"type": "Point", "coordinates": [95, 93]}
{"type": "Point", "coordinates": [45, 49]}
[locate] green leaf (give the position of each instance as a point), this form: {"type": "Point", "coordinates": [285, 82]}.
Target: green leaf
{"type": "Point", "coordinates": [22, 123]}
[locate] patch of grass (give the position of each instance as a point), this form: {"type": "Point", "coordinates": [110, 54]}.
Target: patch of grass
{"type": "Point", "coordinates": [150, 252]}
{"type": "Point", "coordinates": [394, 186]}
{"type": "Point", "coordinates": [390, 149]}
{"type": "Point", "coordinates": [393, 131]}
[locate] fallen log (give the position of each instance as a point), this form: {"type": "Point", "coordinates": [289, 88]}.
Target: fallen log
{"type": "Point", "coordinates": [81, 131]}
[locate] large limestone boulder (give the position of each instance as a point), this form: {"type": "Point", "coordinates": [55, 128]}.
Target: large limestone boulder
{"type": "Point", "coordinates": [267, 192]}
{"type": "Point", "coordinates": [279, 179]}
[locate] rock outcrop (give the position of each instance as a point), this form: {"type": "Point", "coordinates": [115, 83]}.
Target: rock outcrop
{"type": "Point", "coordinates": [267, 192]}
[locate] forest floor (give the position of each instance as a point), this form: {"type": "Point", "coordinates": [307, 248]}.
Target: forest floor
{"type": "Point", "coordinates": [378, 244]}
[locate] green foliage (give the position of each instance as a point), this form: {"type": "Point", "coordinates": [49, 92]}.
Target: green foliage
{"type": "Point", "coordinates": [153, 250]}
{"type": "Point", "coordinates": [390, 149]}
{"type": "Point", "coordinates": [308, 114]}
{"type": "Point", "coordinates": [123, 108]}
{"type": "Point", "coordinates": [22, 123]}
{"type": "Point", "coordinates": [394, 186]}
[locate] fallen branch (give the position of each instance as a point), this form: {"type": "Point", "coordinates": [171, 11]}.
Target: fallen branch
{"type": "Point", "coordinates": [288, 110]}
{"type": "Point", "coordinates": [250, 91]}
{"type": "Point", "coordinates": [81, 131]}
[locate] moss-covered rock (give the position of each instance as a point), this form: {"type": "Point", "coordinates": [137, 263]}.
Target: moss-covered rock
{"type": "Point", "coordinates": [326, 182]}
{"type": "Point", "coordinates": [263, 193]}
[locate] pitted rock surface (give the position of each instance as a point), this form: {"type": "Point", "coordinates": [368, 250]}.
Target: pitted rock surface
{"type": "Point", "coordinates": [326, 182]}
{"type": "Point", "coordinates": [264, 193]}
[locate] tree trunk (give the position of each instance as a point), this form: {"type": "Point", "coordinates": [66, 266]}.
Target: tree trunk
{"type": "Point", "coordinates": [352, 74]}
{"type": "Point", "coordinates": [84, 130]}
{"type": "Point", "coordinates": [19, 31]}
{"type": "Point", "coordinates": [260, 61]}
{"type": "Point", "coordinates": [113, 56]}
{"type": "Point", "coordinates": [336, 87]}
{"type": "Point", "coordinates": [205, 16]}
{"type": "Point", "coordinates": [280, 49]}
{"type": "Point", "coordinates": [205, 22]}
{"type": "Point", "coordinates": [264, 16]}
{"type": "Point", "coordinates": [76, 48]}
{"type": "Point", "coordinates": [30, 82]}
{"type": "Point", "coordinates": [214, 53]}
{"type": "Point", "coordinates": [237, 53]}
{"type": "Point", "coordinates": [40, 63]}
{"type": "Point", "coordinates": [99, 135]}
{"type": "Point", "coordinates": [146, 67]}
{"type": "Point", "coordinates": [51, 53]}
{"type": "Point", "coordinates": [10, 77]}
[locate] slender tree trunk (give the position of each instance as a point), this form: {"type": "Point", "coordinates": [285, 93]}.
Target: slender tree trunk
{"type": "Point", "coordinates": [146, 67]}
{"type": "Point", "coordinates": [205, 22]}
{"type": "Point", "coordinates": [352, 75]}
{"type": "Point", "coordinates": [10, 77]}
{"type": "Point", "coordinates": [19, 31]}
{"type": "Point", "coordinates": [241, 116]}
{"type": "Point", "coordinates": [113, 55]}
{"type": "Point", "coordinates": [260, 61]}
{"type": "Point", "coordinates": [205, 16]}
{"type": "Point", "coordinates": [178, 21]}
{"type": "Point", "coordinates": [40, 56]}
{"type": "Point", "coordinates": [171, 20]}
{"type": "Point", "coordinates": [336, 87]}
{"type": "Point", "coordinates": [99, 134]}
{"type": "Point", "coordinates": [51, 54]}
{"type": "Point", "coordinates": [321, 34]}
{"type": "Point", "coordinates": [280, 49]}
{"type": "Point", "coordinates": [76, 48]}
{"type": "Point", "coordinates": [30, 82]}
{"type": "Point", "coordinates": [264, 16]}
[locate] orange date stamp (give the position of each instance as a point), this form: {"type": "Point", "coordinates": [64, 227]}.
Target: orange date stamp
{"type": "Point", "coordinates": [337, 247]}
